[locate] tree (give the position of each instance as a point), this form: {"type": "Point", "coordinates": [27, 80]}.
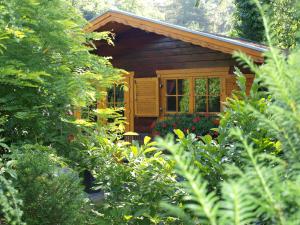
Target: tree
{"type": "Point", "coordinates": [46, 69]}
{"type": "Point", "coordinates": [283, 14]}
{"type": "Point", "coordinates": [212, 16]}
{"type": "Point", "coordinates": [92, 8]}
{"type": "Point", "coordinates": [286, 23]}
{"type": "Point", "coordinates": [247, 21]}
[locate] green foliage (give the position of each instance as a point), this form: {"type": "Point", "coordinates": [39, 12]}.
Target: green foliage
{"type": "Point", "coordinates": [10, 204]}
{"type": "Point", "coordinates": [51, 193]}
{"type": "Point", "coordinates": [52, 71]}
{"type": "Point", "coordinates": [260, 189]}
{"type": "Point", "coordinates": [46, 71]}
{"type": "Point", "coordinates": [238, 115]}
{"type": "Point", "coordinates": [248, 22]}
{"type": "Point", "coordinates": [286, 23]}
{"type": "Point", "coordinates": [211, 16]}
{"type": "Point", "coordinates": [134, 180]}
{"type": "Point", "coordinates": [197, 124]}
{"type": "Point", "coordinates": [206, 154]}
{"type": "Point", "coordinates": [92, 8]}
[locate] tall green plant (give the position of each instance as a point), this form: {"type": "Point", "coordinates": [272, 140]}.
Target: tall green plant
{"type": "Point", "coordinates": [51, 72]}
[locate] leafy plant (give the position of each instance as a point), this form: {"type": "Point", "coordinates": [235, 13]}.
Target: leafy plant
{"type": "Point", "coordinates": [206, 154]}
{"type": "Point", "coordinates": [51, 193]}
{"type": "Point", "coordinates": [134, 179]}
{"type": "Point", "coordinates": [53, 72]}
{"type": "Point", "coordinates": [10, 204]}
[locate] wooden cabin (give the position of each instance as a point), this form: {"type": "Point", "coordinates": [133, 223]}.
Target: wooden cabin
{"type": "Point", "coordinates": [171, 69]}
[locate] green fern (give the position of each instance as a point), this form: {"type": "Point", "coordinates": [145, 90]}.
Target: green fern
{"type": "Point", "coordinates": [202, 204]}
{"type": "Point", "coordinates": [237, 205]}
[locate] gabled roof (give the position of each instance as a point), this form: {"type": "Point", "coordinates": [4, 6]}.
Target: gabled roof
{"type": "Point", "coordinates": [213, 41]}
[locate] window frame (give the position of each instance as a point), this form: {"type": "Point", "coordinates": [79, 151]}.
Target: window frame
{"type": "Point", "coordinates": [177, 95]}
{"type": "Point", "coordinates": [191, 75]}
{"type": "Point", "coordinates": [207, 94]}
{"type": "Point", "coordinates": [115, 103]}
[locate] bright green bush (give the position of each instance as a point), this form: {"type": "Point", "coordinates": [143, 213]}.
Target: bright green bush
{"type": "Point", "coordinates": [134, 179]}
{"type": "Point", "coordinates": [197, 124]}
{"type": "Point", "coordinates": [50, 194]}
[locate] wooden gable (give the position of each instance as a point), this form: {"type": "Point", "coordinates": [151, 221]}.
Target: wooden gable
{"type": "Point", "coordinates": [212, 41]}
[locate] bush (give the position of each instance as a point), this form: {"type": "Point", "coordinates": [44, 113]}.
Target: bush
{"type": "Point", "coordinates": [134, 179]}
{"type": "Point", "coordinates": [50, 195]}
{"type": "Point", "coordinates": [197, 124]}
{"type": "Point", "coordinates": [10, 204]}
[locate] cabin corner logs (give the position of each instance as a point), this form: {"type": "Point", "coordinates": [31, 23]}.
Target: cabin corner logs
{"type": "Point", "coordinates": [170, 69]}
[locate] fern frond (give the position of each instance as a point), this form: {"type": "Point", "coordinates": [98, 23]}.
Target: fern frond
{"type": "Point", "coordinates": [199, 201]}
{"type": "Point", "coordinates": [237, 206]}
{"type": "Point", "coordinates": [264, 179]}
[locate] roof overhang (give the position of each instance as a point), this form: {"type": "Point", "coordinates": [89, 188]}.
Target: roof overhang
{"type": "Point", "coordinates": [203, 39]}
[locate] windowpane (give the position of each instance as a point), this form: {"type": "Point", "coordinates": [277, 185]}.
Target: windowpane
{"type": "Point", "coordinates": [183, 87]}
{"type": "Point", "coordinates": [200, 86]}
{"type": "Point", "coordinates": [119, 104]}
{"type": "Point", "coordinates": [214, 104]}
{"type": "Point", "coordinates": [183, 103]}
{"type": "Point", "coordinates": [171, 104]}
{"type": "Point", "coordinates": [119, 94]}
{"type": "Point", "coordinates": [214, 86]}
{"type": "Point", "coordinates": [171, 87]}
{"type": "Point", "coordinates": [110, 96]}
{"type": "Point", "coordinates": [200, 104]}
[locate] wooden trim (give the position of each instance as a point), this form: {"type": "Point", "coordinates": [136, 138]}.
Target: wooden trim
{"type": "Point", "coordinates": [129, 102]}
{"type": "Point", "coordinates": [172, 32]}
{"type": "Point", "coordinates": [196, 72]}
{"type": "Point", "coordinates": [219, 72]}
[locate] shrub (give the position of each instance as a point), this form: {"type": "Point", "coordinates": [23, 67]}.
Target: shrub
{"type": "Point", "coordinates": [134, 180]}
{"type": "Point", "coordinates": [207, 155]}
{"type": "Point", "coordinates": [10, 204]}
{"type": "Point", "coordinates": [50, 196]}
{"type": "Point", "coordinates": [197, 124]}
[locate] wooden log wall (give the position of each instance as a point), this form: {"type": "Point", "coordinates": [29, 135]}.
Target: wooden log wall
{"type": "Point", "coordinates": [143, 53]}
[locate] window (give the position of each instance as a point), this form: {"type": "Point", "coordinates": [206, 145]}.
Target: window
{"type": "Point", "coordinates": [115, 96]}
{"type": "Point", "coordinates": [177, 95]}
{"type": "Point", "coordinates": [192, 95]}
{"type": "Point", "coordinates": [207, 95]}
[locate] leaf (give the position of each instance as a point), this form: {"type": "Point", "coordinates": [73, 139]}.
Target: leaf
{"type": "Point", "coordinates": [179, 133]}
{"type": "Point", "coordinates": [152, 149]}
{"type": "Point", "coordinates": [147, 139]}
{"type": "Point", "coordinates": [134, 150]}
{"type": "Point", "coordinates": [157, 154]}
{"type": "Point", "coordinates": [128, 217]}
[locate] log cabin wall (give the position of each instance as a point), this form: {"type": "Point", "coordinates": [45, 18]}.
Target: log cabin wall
{"type": "Point", "coordinates": [144, 53]}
